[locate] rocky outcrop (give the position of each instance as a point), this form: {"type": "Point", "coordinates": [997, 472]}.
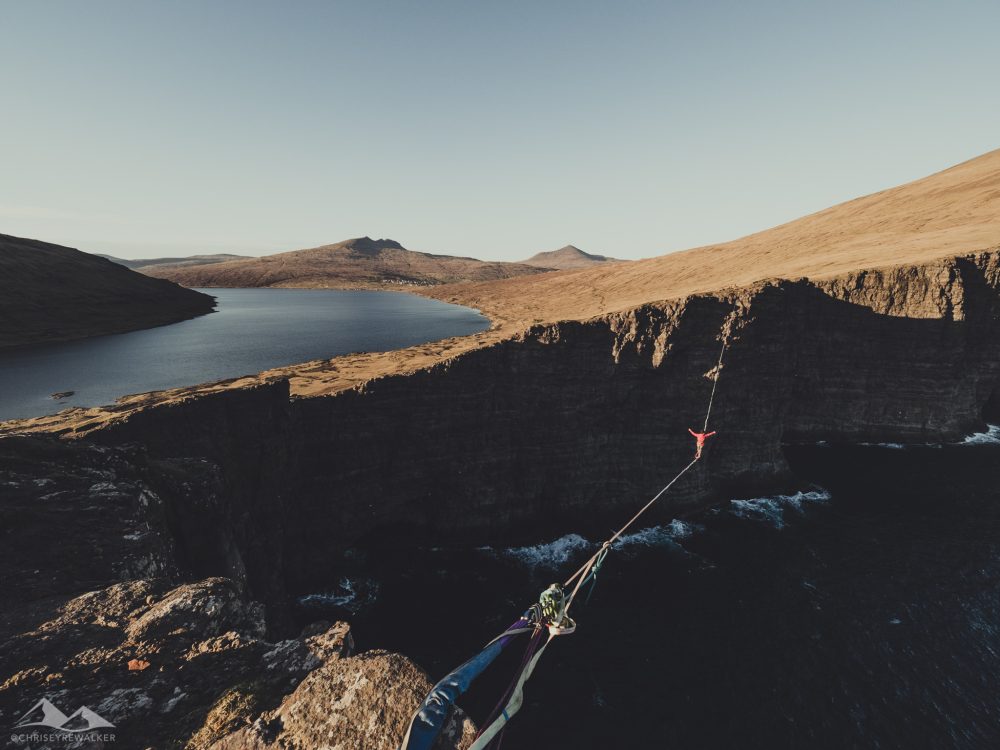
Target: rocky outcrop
{"type": "Point", "coordinates": [365, 702]}
{"type": "Point", "coordinates": [189, 667]}
{"type": "Point", "coordinates": [104, 608]}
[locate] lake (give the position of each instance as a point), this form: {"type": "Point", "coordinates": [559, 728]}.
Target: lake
{"type": "Point", "coordinates": [252, 330]}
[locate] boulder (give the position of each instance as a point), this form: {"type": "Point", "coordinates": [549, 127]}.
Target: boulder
{"type": "Point", "coordinates": [363, 702]}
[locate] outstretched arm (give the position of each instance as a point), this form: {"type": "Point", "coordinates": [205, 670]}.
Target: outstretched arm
{"type": "Point", "coordinates": [710, 434]}
{"type": "Point", "coordinates": [692, 432]}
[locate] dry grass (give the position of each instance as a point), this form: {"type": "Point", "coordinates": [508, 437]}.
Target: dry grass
{"type": "Point", "coordinates": [949, 213]}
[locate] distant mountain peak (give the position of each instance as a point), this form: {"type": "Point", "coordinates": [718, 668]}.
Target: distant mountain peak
{"type": "Point", "coordinates": [367, 246]}
{"type": "Point", "coordinates": [569, 256]}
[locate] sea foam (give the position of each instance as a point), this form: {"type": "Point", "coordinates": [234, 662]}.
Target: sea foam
{"type": "Point", "coordinates": [550, 554]}
{"type": "Point", "coordinates": [990, 437]}
{"type": "Point", "coordinates": [666, 535]}
{"type": "Point", "coordinates": [350, 594]}
{"type": "Point", "coordinates": [557, 553]}
{"type": "Point", "coordinates": [771, 510]}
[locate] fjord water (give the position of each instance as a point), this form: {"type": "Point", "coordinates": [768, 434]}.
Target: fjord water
{"type": "Point", "coordinates": [864, 614]}
{"type": "Point", "coordinates": [252, 330]}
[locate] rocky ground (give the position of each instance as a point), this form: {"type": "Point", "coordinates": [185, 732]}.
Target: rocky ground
{"type": "Point", "coordinates": [98, 611]}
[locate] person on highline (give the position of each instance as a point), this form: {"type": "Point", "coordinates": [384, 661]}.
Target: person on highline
{"type": "Point", "coordinates": [700, 438]}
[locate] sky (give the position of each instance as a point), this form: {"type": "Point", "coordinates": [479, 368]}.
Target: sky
{"type": "Point", "coordinates": [495, 130]}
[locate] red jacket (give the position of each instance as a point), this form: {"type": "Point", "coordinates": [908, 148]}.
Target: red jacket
{"type": "Point", "coordinates": [701, 437]}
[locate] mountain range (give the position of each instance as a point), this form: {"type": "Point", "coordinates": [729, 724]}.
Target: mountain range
{"type": "Point", "coordinates": [360, 263]}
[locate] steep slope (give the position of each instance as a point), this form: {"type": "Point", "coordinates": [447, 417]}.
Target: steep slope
{"type": "Point", "coordinates": [949, 213]}
{"type": "Point", "coordinates": [361, 263]}
{"type": "Point", "coordinates": [54, 293]}
{"type": "Point", "coordinates": [189, 260]}
{"type": "Point", "coordinates": [566, 258]}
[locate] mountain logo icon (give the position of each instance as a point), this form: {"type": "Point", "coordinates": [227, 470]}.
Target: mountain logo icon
{"type": "Point", "coordinates": [46, 714]}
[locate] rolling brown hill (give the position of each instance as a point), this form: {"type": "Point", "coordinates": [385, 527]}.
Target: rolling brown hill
{"type": "Point", "coordinates": [948, 213]}
{"type": "Point", "coordinates": [566, 258]}
{"type": "Point", "coordinates": [54, 293]}
{"type": "Point", "coordinates": [361, 263]}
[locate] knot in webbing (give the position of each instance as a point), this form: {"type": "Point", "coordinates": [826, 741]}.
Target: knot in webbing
{"type": "Point", "coordinates": [552, 603]}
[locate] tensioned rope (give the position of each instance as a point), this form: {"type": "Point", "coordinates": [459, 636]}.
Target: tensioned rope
{"type": "Point", "coordinates": [584, 570]}
{"type": "Point", "coordinates": [550, 614]}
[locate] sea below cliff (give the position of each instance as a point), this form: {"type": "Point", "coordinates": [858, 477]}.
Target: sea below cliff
{"type": "Point", "coordinates": [253, 330]}
{"type": "Point", "coordinates": [863, 611]}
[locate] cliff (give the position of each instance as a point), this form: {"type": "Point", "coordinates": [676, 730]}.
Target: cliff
{"type": "Point", "coordinates": [54, 293]}
{"type": "Point", "coordinates": [564, 427]}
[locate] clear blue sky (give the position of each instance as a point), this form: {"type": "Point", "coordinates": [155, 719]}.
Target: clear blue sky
{"type": "Point", "coordinates": [487, 129]}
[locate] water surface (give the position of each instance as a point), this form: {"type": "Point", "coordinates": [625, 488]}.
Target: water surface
{"type": "Point", "coordinates": [252, 330]}
{"type": "Point", "coordinates": [864, 613]}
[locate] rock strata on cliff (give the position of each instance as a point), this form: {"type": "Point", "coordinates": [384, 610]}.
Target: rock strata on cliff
{"type": "Point", "coordinates": [566, 426]}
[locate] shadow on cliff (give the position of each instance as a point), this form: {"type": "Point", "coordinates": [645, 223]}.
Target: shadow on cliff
{"type": "Point", "coordinates": [570, 427]}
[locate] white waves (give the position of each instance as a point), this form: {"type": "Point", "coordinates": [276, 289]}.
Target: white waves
{"type": "Point", "coordinates": [565, 549]}
{"type": "Point", "coordinates": [551, 554]}
{"type": "Point", "coordinates": [350, 594]}
{"type": "Point", "coordinates": [771, 510]}
{"type": "Point", "coordinates": [990, 437]}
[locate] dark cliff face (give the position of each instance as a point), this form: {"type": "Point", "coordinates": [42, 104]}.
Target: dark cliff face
{"type": "Point", "coordinates": [569, 427]}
